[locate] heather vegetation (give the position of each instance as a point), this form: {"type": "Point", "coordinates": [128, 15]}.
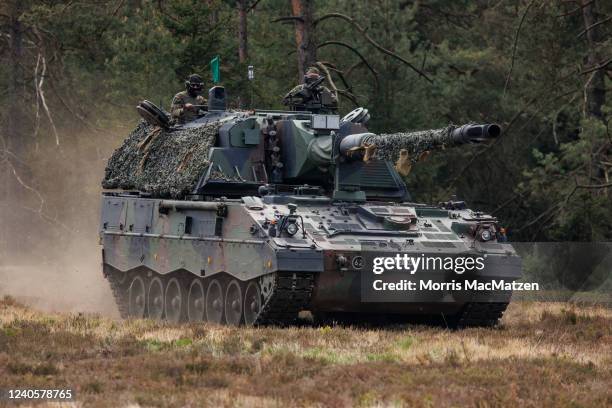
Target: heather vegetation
{"type": "Point", "coordinates": [543, 354]}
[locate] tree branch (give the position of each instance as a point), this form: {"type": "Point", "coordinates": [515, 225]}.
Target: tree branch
{"type": "Point", "coordinates": [42, 203]}
{"type": "Point", "coordinates": [340, 74]}
{"type": "Point", "coordinates": [288, 18]}
{"type": "Point", "coordinates": [43, 101]}
{"type": "Point", "coordinates": [353, 67]}
{"type": "Point", "coordinates": [342, 92]}
{"type": "Point", "coordinates": [505, 203]}
{"type": "Point", "coordinates": [112, 14]}
{"type": "Point", "coordinates": [161, 9]}
{"type": "Point", "coordinates": [580, 7]}
{"type": "Point", "coordinates": [348, 95]}
{"type": "Point", "coordinates": [252, 6]}
{"type": "Point", "coordinates": [561, 205]}
{"type": "Point", "coordinates": [371, 41]}
{"type": "Point", "coordinates": [323, 68]}
{"type": "Point", "coordinates": [539, 217]}
{"type": "Point", "coordinates": [593, 186]}
{"type": "Point", "coordinates": [343, 44]}
{"type": "Point", "coordinates": [597, 67]}
{"type": "Point", "coordinates": [586, 93]}
{"type": "Point", "coordinates": [119, 5]}
{"type": "Point", "coordinates": [583, 32]}
{"type": "Point", "coordinates": [516, 37]}
{"type": "Point", "coordinates": [37, 117]}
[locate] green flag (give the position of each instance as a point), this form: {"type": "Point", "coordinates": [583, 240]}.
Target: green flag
{"type": "Point", "coordinates": [215, 63]}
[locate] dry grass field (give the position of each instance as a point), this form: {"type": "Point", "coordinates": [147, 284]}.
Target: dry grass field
{"type": "Point", "coordinates": [543, 354]}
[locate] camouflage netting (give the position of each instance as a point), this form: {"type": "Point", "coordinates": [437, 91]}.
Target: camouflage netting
{"type": "Point", "coordinates": [163, 163]}
{"type": "Point", "coordinates": [389, 145]}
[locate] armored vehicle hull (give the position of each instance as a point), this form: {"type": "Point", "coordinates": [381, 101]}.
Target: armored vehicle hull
{"type": "Point", "coordinates": [288, 215]}
{"type": "Point", "coordinates": [212, 260]}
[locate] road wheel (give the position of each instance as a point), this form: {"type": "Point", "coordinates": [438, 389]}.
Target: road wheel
{"type": "Point", "coordinates": [214, 302]}
{"type": "Point", "coordinates": [174, 301]}
{"type": "Point", "coordinates": [137, 298]}
{"type": "Point", "coordinates": [252, 303]}
{"type": "Point", "coordinates": [195, 301]}
{"type": "Point", "coordinates": [156, 299]}
{"type": "Point", "coordinates": [233, 303]}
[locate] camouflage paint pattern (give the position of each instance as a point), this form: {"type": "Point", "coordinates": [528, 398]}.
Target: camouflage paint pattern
{"type": "Point", "coordinates": [216, 228]}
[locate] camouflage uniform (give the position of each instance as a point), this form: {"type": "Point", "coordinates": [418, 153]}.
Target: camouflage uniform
{"type": "Point", "coordinates": [299, 100]}
{"type": "Point", "coordinates": [293, 94]}
{"type": "Point", "coordinates": [178, 111]}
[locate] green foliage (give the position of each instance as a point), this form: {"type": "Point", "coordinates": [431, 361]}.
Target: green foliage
{"type": "Point", "coordinates": [515, 63]}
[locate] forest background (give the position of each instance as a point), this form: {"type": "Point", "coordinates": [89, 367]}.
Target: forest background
{"type": "Point", "coordinates": [73, 71]}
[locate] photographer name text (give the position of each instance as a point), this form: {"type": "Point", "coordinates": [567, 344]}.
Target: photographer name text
{"type": "Point", "coordinates": [406, 285]}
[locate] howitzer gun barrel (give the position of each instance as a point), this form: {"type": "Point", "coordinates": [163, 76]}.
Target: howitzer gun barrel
{"type": "Point", "coordinates": [388, 146]}
{"type": "Point", "coordinates": [475, 133]}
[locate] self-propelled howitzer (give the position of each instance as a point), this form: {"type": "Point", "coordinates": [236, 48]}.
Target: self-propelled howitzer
{"type": "Point", "coordinates": [251, 217]}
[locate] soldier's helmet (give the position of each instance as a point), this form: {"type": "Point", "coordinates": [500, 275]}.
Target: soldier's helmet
{"type": "Point", "coordinates": [312, 74]}
{"type": "Point", "coordinates": [194, 84]}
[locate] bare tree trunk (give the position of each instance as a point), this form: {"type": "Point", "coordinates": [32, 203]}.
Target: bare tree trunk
{"type": "Point", "coordinates": [13, 143]}
{"type": "Point", "coordinates": [243, 52]}
{"type": "Point", "coordinates": [214, 14]}
{"type": "Point", "coordinates": [304, 34]}
{"type": "Point", "coordinates": [595, 91]}
{"type": "Point", "coordinates": [15, 125]}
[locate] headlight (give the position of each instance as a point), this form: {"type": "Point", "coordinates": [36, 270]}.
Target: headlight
{"type": "Point", "coordinates": [291, 228]}
{"type": "Point", "coordinates": [486, 235]}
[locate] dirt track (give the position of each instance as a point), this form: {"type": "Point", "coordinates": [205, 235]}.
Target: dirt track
{"type": "Point", "coordinates": [543, 354]}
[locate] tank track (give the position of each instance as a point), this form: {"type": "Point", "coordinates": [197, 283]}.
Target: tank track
{"type": "Point", "coordinates": [119, 289]}
{"type": "Point", "coordinates": [291, 294]}
{"type": "Point", "coordinates": [480, 314]}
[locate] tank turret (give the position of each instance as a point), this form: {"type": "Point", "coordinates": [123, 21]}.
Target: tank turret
{"type": "Point", "coordinates": [232, 153]}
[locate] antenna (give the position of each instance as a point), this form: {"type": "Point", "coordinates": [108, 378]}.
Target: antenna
{"type": "Point", "coordinates": [251, 77]}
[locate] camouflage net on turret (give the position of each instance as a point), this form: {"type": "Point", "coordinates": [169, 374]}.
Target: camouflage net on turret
{"type": "Point", "coordinates": [163, 163]}
{"type": "Point", "coordinates": [389, 145]}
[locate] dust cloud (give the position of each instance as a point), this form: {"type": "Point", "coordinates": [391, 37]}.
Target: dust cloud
{"type": "Point", "coordinates": [50, 257]}
{"type": "Point", "coordinates": [68, 282]}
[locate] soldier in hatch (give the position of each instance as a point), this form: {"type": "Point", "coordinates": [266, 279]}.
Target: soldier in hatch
{"type": "Point", "coordinates": [187, 104]}
{"type": "Point", "coordinates": [311, 95]}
